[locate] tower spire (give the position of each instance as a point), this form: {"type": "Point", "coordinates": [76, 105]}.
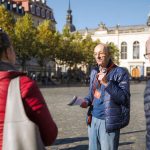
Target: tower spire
{"type": "Point", "coordinates": [69, 19]}
{"type": "Point", "coordinates": [69, 6]}
{"type": "Point", "coordinates": [148, 20]}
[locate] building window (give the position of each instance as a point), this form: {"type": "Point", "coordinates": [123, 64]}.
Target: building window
{"type": "Point", "coordinates": [123, 50]}
{"type": "Point", "coordinates": [32, 9]}
{"type": "Point", "coordinates": [136, 50]}
{"type": "Point", "coordinates": [43, 12]}
{"type": "Point", "coordinates": [20, 10]}
{"type": "Point", "coordinates": [38, 11]}
{"type": "Point", "coordinates": [148, 71]}
{"type": "Point", "coordinates": [47, 14]}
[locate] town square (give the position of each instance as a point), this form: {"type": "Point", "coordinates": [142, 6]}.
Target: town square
{"type": "Point", "coordinates": [74, 75]}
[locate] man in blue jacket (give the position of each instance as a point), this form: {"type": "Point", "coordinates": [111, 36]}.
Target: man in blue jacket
{"type": "Point", "coordinates": [109, 98]}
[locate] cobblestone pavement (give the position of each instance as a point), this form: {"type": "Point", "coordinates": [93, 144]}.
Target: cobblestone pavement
{"type": "Point", "coordinates": [71, 119]}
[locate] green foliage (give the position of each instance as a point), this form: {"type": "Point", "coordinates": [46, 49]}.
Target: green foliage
{"type": "Point", "coordinates": [66, 32]}
{"type": "Point", "coordinates": [7, 21]}
{"type": "Point", "coordinates": [114, 52]}
{"type": "Point", "coordinates": [25, 39]}
{"type": "Point", "coordinates": [70, 49]}
{"type": "Point", "coordinates": [46, 42]}
{"type": "Point", "coordinates": [88, 46]}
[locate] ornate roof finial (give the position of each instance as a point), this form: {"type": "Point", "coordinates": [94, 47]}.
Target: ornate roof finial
{"type": "Point", "coordinates": [69, 5]}
{"type": "Point", "coordinates": [69, 19]}
{"type": "Point", "coordinates": [148, 20]}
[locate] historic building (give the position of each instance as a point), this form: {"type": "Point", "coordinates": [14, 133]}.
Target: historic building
{"type": "Point", "coordinates": [15, 8]}
{"type": "Point", "coordinates": [39, 12]}
{"type": "Point", "coordinates": [130, 40]}
{"type": "Point", "coordinates": [69, 22]}
{"type": "Point", "coordinates": [38, 9]}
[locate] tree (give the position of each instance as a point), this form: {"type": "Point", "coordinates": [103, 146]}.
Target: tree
{"type": "Point", "coordinates": [7, 21]}
{"type": "Point", "coordinates": [114, 52]}
{"type": "Point", "coordinates": [25, 39]}
{"type": "Point", "coordinates": [46, 43]}
{"type": "Point", "coordinates": [69, 51]}
{"type": "Point", "coordinates": [88, 46]}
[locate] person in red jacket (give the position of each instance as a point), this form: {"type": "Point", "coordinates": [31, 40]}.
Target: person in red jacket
{"type": "Point", "coordinates": [34, 103]}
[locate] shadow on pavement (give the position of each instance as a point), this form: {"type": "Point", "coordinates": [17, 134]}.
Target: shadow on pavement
{"type": "Point", "coordinates": [79, 147]}
{"type": "Point", "coordinates": [125, 143]}
{"type": "Point", "coordinates": [82, 147]}
{"type": "Point", "coordinates": [136, 131]}
{"type": "Point", "coordinates": [85, 147]}
{"type": "Point", "coordinates": [70, 140]}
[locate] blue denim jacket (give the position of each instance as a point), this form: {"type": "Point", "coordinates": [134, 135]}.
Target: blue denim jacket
{"type": "Point", "coordinates": [116, 98]}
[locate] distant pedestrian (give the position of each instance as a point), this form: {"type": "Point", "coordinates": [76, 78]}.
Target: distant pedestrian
{"type": "Point", "coordinates": [147, 100]}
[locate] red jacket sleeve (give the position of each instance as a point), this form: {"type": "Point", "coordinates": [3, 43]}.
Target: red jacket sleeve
{"type": "Point", "coordinates": [37, 110]}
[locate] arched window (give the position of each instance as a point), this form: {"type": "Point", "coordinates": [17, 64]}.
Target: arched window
{"type": "Point", "coordinates": [123, 50]}
{"type": "Point", "coordinates": [136, 50]}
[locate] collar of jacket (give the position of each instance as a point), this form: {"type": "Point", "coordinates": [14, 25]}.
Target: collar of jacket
{"type": "Point", "coordinates": [109, 66]}
{"type": "Point", "coordinates": [4, 66]}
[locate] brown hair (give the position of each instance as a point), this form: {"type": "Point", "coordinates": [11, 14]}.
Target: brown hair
{"type": "Point", "coordinates": [4, 42]}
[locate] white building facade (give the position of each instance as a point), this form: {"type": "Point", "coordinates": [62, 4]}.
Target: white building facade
{"type": "Point", "coordinates": [131, 42]}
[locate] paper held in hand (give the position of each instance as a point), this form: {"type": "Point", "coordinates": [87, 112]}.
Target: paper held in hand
{"type": "Point", "coordinates": [102, 73]}
{"type": "Point", "coordinates": [76, 101]}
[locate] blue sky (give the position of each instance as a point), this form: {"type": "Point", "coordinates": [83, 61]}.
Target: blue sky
{"type": "Point", "coordinates": [89, 13]}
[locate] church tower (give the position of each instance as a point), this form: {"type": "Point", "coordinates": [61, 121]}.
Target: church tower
{"type": "Point", "coordinates": [148, 20]}
{"type": "Point", "coordinates": [69, 17]}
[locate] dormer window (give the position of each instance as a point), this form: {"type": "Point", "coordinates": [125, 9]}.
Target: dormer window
{"type": "Point", "coordinates": [51, 16]}
{"type": "Point", "coordinates": [20, 10]}
{"type": "Point", "coordinates": [38, 11]}
{"type": "Point", "coordinates": [8, 5]}
{"type": "Point", "coordinates": [14, 5]}
{"type": "Point", "coordinates": [43, 12]}
{"type": "Point", "coordinates": [43, 1]}
{"type": "Point", "coordinates": [47, 14]}
{"type": "Point", "coordinates": [32, 7]}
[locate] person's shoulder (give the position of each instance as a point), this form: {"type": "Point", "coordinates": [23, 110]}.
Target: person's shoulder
{"type": "Point", "coordinates": [27, 86]}
{"type": "Point", "coordinates": [122, 70]}
{"type": "Point", "coordinates": [24, 79]}
{"type": "Point", "coordinates": [94, 69]}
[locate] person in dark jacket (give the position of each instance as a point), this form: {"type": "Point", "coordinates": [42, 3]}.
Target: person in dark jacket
{"type": "Point", "coordinates": [33, 101]}
{"type": "Point", "coordinates": [147, 100]}
{"type": "Point", "coordinates": [109, 96]}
